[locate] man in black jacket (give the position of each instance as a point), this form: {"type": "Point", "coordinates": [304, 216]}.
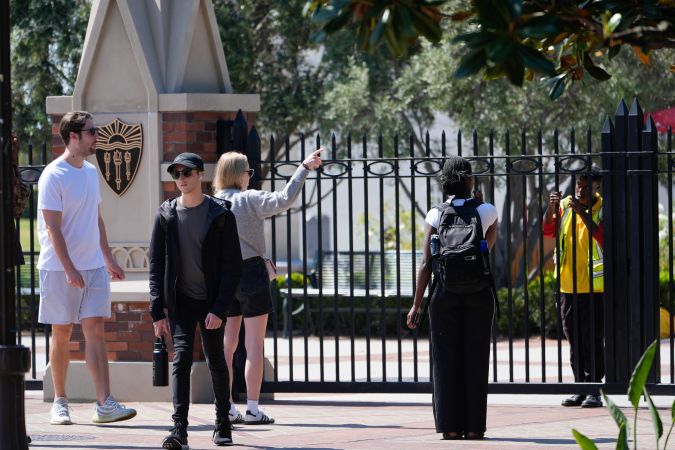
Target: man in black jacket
{"type": "Point", "coordinates": [195, 265]}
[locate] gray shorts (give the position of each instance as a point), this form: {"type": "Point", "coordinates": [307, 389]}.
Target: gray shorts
{"type": "Point", "coordinates": [62, 304]}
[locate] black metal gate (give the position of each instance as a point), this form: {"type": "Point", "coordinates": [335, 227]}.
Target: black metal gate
{"type": "Point", "coordinates": [351, 250]}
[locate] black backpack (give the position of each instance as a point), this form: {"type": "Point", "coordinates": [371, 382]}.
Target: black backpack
{"type": "Point", "coordinates": [459, 263]}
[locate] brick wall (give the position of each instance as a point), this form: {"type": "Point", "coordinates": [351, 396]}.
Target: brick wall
{"type": "Point", "coordinates": [129, 335]}
{"type": "Point", "coordinates": [193, 132]}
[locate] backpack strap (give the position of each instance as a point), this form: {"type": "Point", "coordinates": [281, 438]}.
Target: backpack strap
{"type": "Point", "coordinates": [474, 204]}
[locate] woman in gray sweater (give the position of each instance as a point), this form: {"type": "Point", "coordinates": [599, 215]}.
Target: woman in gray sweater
{"type": "Point", "coordinates": [253, 299]}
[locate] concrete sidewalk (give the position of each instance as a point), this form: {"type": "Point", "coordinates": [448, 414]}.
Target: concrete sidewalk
{"type": "Point", "coordinates": [347, 421]}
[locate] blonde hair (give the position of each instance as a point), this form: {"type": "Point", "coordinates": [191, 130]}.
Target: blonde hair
{"type": "Point", "coordinates": [229, 169]}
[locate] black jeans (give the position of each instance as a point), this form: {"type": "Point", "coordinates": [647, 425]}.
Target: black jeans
{"type": "Point", "coordinates": [189, 312]}
{"type": "Point", "coordinates": [587, 332]}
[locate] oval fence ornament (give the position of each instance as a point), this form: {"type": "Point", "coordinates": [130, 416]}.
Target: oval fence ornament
{"type": "Point", "coordinates": [118, 152]}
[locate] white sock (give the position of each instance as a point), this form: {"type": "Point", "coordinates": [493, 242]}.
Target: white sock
{"type": "Point", "coordinates": [233, 409]}
{"type": "Point", "coordinates": [252, 406]}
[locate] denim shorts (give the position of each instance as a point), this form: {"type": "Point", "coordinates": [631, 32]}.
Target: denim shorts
{"type": "Point", "coordinates": [63, 304]}
{"type": "Point", "coordinates": [253, 297]}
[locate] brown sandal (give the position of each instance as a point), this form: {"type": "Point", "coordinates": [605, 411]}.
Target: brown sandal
{"type": "Point", "coordinates": [452, 435]}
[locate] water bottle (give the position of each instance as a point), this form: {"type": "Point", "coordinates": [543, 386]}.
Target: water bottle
{"type": "Point", "coordinates": [435, 245]}
{"type": "Point", "coordinates": [160, 364]}
{"type": "Point", "coordinates": [485, 252]}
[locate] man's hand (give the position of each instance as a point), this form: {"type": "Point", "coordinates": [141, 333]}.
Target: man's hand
{"type": "Point", "coordinates": [74, 278]}
{"type": "Point", "coordinates": [576, 206]}
{"type": "Point", "coordinates": [161, 327]}
{"type": "Point", "coordinates": [115, 271]}
{"type": "Point", "coordinates": [554, 200]}
{"type": "Point", "coordinates": [212, 321]}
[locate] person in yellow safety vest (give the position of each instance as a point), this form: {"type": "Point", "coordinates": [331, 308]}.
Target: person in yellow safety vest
{"type": "Point", "coordinates": [578, 218]}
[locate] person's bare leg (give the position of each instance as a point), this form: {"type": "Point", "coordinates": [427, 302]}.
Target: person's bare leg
{"type": "Point", "coordinates": [59, 357]}
{"type": "Point", "coordinates": [254, 342]}
{"type": "Point", "coordinates": [230, 342]}
{"type": "Point", "coordinates": [96, 356]}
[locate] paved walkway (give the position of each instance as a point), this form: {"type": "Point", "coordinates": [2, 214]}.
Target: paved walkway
{"type": "Point", "coordinates": [370, 421]}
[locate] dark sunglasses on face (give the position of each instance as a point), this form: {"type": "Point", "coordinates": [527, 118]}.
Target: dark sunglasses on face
{"type": "Point", "coordinates": [175, 174]}
{"type": "Point", "coordinates": [249, 172]}
{"type": "Point", "coordinates": [93, 130]}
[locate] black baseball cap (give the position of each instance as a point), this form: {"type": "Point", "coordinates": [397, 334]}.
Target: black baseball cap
{"type": "Point", "coordinates": [187, 159]}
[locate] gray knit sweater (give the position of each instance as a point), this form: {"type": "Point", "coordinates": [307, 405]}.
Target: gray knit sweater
{"type": "Point", "coordinates": [252, 207]}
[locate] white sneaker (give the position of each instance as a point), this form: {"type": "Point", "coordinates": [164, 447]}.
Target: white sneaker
{"type": "Point", "coordinates": [111, 411]}
{"type": "Point", "coordinates": [258, 419]}
{"type": "Point", "coordinates": [60, 412]}
{"type": "Point", "coordinates": [235, 416]}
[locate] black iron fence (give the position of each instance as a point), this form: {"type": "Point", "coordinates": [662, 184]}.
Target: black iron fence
{"type": "Point", "coordinates": [350, 250]}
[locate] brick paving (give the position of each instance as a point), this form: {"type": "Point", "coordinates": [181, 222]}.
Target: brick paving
{"type": "Point", "coordinates": [323, 421]}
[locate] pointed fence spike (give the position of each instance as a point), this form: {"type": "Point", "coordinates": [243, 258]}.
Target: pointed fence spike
{"type": "Point", "coordinates": [621, 109]}
{"type": "Point", "coordinates": [635, 108]}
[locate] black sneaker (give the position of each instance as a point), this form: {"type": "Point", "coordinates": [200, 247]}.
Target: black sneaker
{"type": "Point", "coordinates": [177, 438]}
{"type": "Point", "coordinates": [222, 434]}
{"type": "Point", "coordinates": [574, 400]}
{"type": "Point", "coordinates": [592, 401]}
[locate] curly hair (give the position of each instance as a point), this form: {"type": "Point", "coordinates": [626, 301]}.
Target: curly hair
{"type": "Point", "coordinates": [455, 176]}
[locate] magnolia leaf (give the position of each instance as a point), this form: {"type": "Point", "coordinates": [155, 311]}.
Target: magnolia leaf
{"type": "Point", "coordinates": [460, 16]}
{"type": "Point", "coordinates": [337, 23]}
{"type": "Point", "coordinates": [557, 86]}
{"type": "Point", "coordinates": [515, 71]}
{"type": "Point", "coordinates": [426, 26]}
{"type": "Point", "coordinates": [642, 56]}
{"type": "Point", "coordinates": [539, 28]}
{"type": "Point", "coordinates": [471, 63]}
{"type": "Point", "coordinates": [613, 51]}
{"type": "Point", "coordinates": [477, 39]}
{"type": "Point", "coordinates": [377, 33]}
{"type": "Point", "coordinates": [613, 22]}
{"type": "Point", "coordinates": [318, 36]}
{"type": "Point", "coordinates": [593, 70]}
{"type": "Point", "coordinates": [640, 374]}
{"type": "Point", "coordinates": [583, 441]}
{"type": "Point", "coordinates": [656, 419]}
{"type": "Point", "coordinates": [499, 49]}
{"type": "Point", "coordinates": [535, 60]}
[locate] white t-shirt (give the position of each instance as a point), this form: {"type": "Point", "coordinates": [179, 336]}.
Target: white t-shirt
{"type": "Point", "coordinates": [486, 211]}
{"type": "Point", "coordinates": [75, 192]}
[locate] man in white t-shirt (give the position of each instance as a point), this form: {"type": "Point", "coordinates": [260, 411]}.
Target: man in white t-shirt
{"type": "Point", "coordinates": [74, 256]}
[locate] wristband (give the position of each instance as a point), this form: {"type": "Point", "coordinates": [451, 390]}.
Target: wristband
{"type": "Point", "coordinates": [305, 166]}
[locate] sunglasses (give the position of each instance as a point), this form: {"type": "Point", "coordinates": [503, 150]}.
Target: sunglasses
{"type": "Point", "coordinates": [175, 174]}
{"type": "Point", "coordinates": [249, 172]}
{"type": "Point", "coordinates": [93, 130]}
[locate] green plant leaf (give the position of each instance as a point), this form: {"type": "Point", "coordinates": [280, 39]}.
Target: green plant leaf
{"type": "Point", "coordinates": [539, 28]}
{"type": "Point", "coordinates": [515, 71]}
{"type": "Point", "coordinates": [593, 70]}
{"type": "Point", "coordinates": [535, 60]}
{"type": "Point", "coordinates": [499, 49]}
{"type": "Point", "coordinates": [471, 63]}
{"type": "Point", "coordinates": [493, 14]}
{"type": "Point", "coordinates": [557, 86]}
{"type": "Point", "coordinates": [640, 374]}
{"type": "Point", "coordinates": [477, 39]}
{"type": "Point", "coordinates": [376, 35]}
{"type": "Point", "coordinates": [584, 442]}
{"type": "Point", "coordinates": [337, 23]}
{"type": "Point", "coordinates": [656, 419]}
{"type": "Point", "coordinates": [613, 51]}
{"type": "Point", "coordinates": [426, 26]}
{"type": "Point", "coordinates": [616, 413]}
{"type": "Point", "coordinates": [622, 439]}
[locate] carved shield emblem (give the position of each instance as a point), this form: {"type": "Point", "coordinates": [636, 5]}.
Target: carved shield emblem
{"type": "Point", "coordinates": [118, 153]}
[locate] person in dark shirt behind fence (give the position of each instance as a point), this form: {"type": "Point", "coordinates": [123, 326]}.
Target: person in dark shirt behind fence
{"type": "Point", "coordinates": [575, 216]}
{"type": "Point", "coordinates": [195, 265]}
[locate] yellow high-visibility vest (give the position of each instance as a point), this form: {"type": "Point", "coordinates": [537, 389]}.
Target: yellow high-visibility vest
{"type": "Point", "coordinates": [567, 266]}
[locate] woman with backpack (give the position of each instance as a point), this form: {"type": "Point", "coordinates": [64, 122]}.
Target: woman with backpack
{"type": "Point", "coordinates": [461, 304]}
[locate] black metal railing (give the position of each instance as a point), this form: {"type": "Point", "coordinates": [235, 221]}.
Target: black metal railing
{"type": "Point", "coordinates": [350, 249]}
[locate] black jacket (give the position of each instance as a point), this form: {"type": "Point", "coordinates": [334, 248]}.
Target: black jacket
{"type": "Point", "coordinates": [221, 258]}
